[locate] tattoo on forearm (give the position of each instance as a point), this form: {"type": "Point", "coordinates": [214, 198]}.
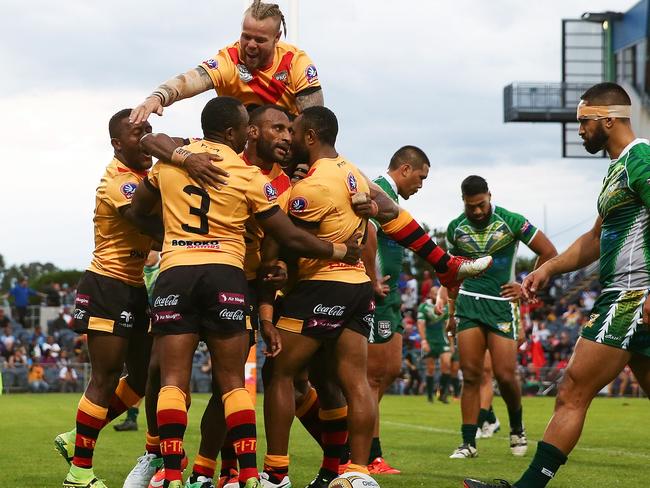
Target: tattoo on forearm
{"type": "Point", "coordinates": [310, 100]}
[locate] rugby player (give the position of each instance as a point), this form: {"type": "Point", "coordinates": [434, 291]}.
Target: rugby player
{"type": "Point", "coordinates": [258, 69]}
{"type": "Point", "coordinates": [201, 288]}
{"type": "Point", "coordinates": [617, 333]}
{"type": "Point", "coordinates": [435, 344]}
{"type": "Point", "coordinates": [484, 311]}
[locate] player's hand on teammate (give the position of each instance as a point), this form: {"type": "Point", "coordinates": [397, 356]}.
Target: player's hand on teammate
{"type": "Point", "coordinates": [363, 205]}
{"type": "Point", "coordinates": [271, 338]}
{"type": "Point", "coordinates": [511, 291]}
{"type": "Point", "coordinates": [200, 168]}
{"type": "Point", "coordinates": [535, 281]}
{"type": "Point", "coordinates": [354, 248]}
{"type": "Point", "coordinates": [276, 275]}
{"type": "Point", "coordinates": [451, 326]}
{"type": "Point", "coordinates": [381, 287]}
{"type": "Point", "coordinates": [145, 109]}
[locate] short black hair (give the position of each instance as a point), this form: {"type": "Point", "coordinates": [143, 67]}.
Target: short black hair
{"type": "Point", "coordinates": [219, 114]}
{"type": "Point", "coordinates": [412, 155]}
{"type": "Point", "coordinates": [474, 185]}
{"type": "Point", "coordinates": [259, 112]}
{"type": "Point", "coordinates": [323, 122]}
{"type": "Point", "coordinates": [114, 126]}
{"type": "Point", "coordinates": [606, 94]}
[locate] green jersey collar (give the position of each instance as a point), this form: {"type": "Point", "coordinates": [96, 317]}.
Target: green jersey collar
{"type": "Point", "coordinates": [629, 147]}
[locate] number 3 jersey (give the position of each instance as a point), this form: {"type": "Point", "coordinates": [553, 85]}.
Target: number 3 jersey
{"type": "Point", "coordinates": [207, 226]}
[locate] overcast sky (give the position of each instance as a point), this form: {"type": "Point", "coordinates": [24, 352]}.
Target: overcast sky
{"type": "Point", "coordinates": [429, 73]}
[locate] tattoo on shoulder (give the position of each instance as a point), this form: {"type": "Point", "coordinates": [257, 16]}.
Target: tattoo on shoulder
{"type": "Point", "coordinates": [310, 100]}
{"type": "Point", "coordinates": [205, 77]}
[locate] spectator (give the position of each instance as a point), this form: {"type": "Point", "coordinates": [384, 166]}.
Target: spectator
{"type": "Point", "coordinates": [36, 378]}
{"type": "Point", "coordinates": [52, 346]}
{"type": "Point", "coordinates": [47, 357]}
{"type": "Point", "coordinates": [415, 379]}
{"type": "Point", "coordinates": [4, 320]}
{"type": "Point", "coordinates": [7, 335]}
{"type": "Point", "coordinates": [410, 295]}
{"type": "Point", "coordinates": [60, 323]}
{"type": "Point", "coordinates": [425, 287]}
{"type": "Point", "coordinates": [21, 293]}
{"type": "Point", "coordinates": [53, 295]}
{"type": "Point", "coordinates": [68, 379]}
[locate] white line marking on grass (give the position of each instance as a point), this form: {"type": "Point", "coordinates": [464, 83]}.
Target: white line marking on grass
{"type": "Point", "coordinates": [600, 450]}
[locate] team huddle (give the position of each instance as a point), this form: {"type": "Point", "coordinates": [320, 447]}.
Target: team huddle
{"type": "Point", "coordinates": [266, 229]}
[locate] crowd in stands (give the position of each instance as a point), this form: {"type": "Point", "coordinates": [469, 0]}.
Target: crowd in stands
{"type": "Point", "coordinates": [56, 359]}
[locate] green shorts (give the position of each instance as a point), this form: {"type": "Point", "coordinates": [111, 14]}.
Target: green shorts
{"type": "Point", "coordinates": [500, 317]}
{"type": "Point", "coordinates": [615, 321]}
{"type": "Point", "coordinates": [388, 321]}
{"type": "Point", "coordinates": [437, 349]}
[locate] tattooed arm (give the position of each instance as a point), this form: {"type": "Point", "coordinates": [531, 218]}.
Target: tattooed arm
{"type": "Point", "coordinates": [186, 85]}
{"type": "Point", "coordinates": [309, 98]}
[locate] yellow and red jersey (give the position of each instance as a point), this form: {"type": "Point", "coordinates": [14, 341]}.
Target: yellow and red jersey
{"type": "Point", "coordinates": [280, 185]}
{"type": "Point", "coordinates": [290, 72]}
{"type": "Point", "coordinates": [120, 248]}
{"type": "Point", "coordinates": [322, 201]}
{"type": "Point", "coordinates": [206, 226]}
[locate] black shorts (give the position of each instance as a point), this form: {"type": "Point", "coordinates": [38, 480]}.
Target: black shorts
{"type": "Point", "coordinates": [322, 309]}
{"type": "Point", "coordinates": [105, 304]}
{"type": "Point", "coordinates": [253, 312]}
{"type": "Point", "coordinates": [200, 298]}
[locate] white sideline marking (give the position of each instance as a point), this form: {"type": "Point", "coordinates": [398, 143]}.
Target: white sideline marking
{"type": "Point", "coordinates": [600, 450]}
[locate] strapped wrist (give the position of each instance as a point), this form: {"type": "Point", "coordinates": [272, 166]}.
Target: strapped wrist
{"type": "Point", "coordinates": [179, 155]}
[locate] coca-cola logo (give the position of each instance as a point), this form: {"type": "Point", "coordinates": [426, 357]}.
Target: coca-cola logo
{"type": "Point", "coordinates": [82, 300]}
{"type": "Point", "coordinates": [166, 316]}
{"type": "Point", "coordinates": [226, 314]}
{"type": "Point", "coordinates": [333, 311]}
{"type": "Point", "coordinates": [237, 298]}
{"type": "Point", "coordinates": [166, 301]}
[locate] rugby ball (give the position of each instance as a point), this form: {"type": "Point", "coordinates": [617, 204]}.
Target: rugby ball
{"type": "Point", "coordinates": [353, 480]}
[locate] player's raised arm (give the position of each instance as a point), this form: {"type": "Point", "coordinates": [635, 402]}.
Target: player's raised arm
{"type": "Point", "coordinates": [185, 85]}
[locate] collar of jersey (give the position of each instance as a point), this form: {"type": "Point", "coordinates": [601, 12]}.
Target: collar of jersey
{"type": "Point", "coordinates": [248, 163]}
{"type": "Point", "coordinates": [391, 182]}
{"type": "Point", "coordinates": [123, 168]}
{"type": "Point", "coordinates": [629, 147]}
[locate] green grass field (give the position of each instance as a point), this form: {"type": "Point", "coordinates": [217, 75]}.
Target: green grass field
{"type": "Point", "coordinates": [417, 437]}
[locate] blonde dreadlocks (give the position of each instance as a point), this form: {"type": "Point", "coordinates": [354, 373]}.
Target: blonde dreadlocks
{"type": "Point", "coordinates": [260, 11]}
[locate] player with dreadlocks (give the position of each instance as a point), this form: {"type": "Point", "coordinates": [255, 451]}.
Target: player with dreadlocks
{"type": "Point", "coordinates": [257, 69]}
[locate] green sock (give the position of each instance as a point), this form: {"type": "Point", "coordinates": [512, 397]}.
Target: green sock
{"type": "Point", "coordinates": [429, 381]}
{"type": "Point", "coordinates": [469, 434]}
{"type": "Point", "coordinates": [543, 467]}
{"type": "Point", "coordinates": [375, 449]}
{"type": "Point", "coordinates": [482, 417]}
{"type": "Point", "coordinates": [516, 420]}
{"type": "Point", "coordinates": [444, 384]}
{"type": "Point", "coordinates": [132, 414]}
{"type": "Point", "coordinates": [491, 417]}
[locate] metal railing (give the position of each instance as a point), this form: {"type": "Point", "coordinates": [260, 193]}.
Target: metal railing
{"type": "Point", "coordinates": [554, 102]}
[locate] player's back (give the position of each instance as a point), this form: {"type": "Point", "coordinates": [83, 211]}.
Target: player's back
{"type": "Point", "coordinates": [206, 226]}
{"type": "Point", "coordinates": [321, 201]}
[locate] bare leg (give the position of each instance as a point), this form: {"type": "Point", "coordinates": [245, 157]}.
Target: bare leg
{"type": "Point", "coordinates": [472, 344]}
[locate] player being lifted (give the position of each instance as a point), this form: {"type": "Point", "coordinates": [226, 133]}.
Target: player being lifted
{"type": "Point", "coordinates": [201, 288]}
{"type": "Point", "coordinates": [484, 311]}
{"type": "Point", "coordinates": [258, 69]}
{"type": "Point", "coordinates": [617, 333]}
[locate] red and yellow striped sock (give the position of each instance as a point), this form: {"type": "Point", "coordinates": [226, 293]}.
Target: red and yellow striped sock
{"type": "Point", "coordinates": [152, 445]}
{"type": "Point", "coordinates": [228, 457]}
{"type": "Point", "coordinates": [90, 420]}
{"type": "Point", "coordinates": [123, 398]}
{"type": "Point", "coordinates": [277, 467]}
{"type": "Point", "coordinates": [335, 435]}
{"type": "Point", "coordinates": [240, 420]}
{"type": "Point", "coordinates": [408, 233]}
{"type": "Point", "coordinates": [204, 466]}
{"type": "Point", "coordinates": [172, 421]}
{"type": "Point", "coordinates": [307, 413]}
